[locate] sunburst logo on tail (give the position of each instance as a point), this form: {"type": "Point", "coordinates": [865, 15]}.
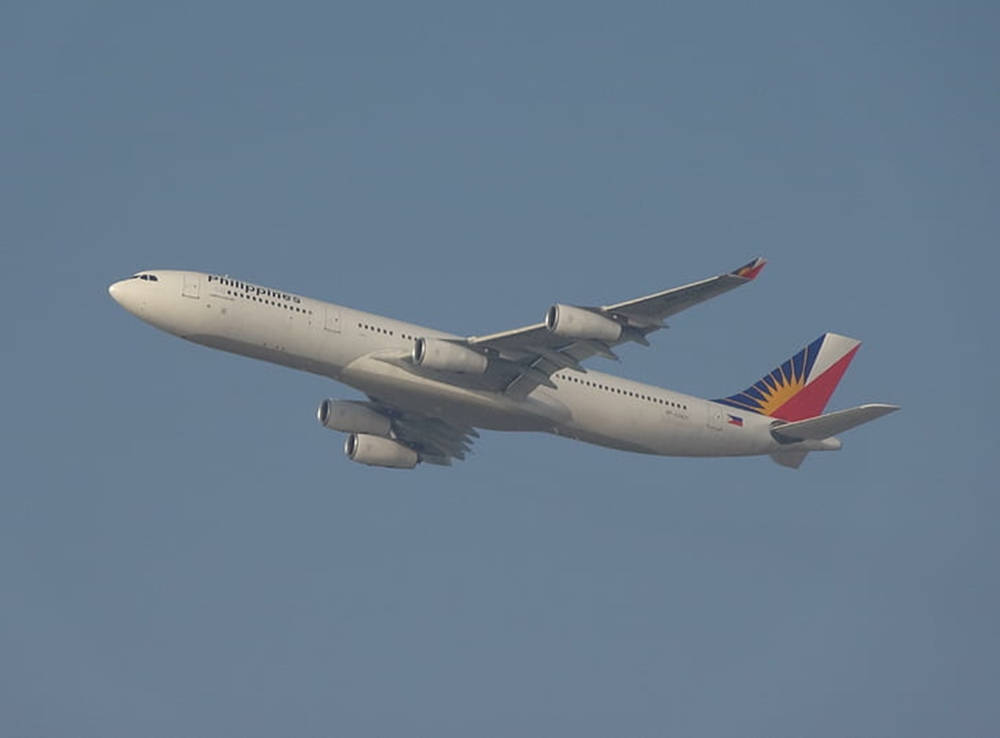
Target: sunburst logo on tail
{"type": "Point", "coordinates": [801, 387]}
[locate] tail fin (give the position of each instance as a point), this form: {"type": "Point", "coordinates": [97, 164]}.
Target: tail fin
{"type": "Point", "coordinates": [801, 387]}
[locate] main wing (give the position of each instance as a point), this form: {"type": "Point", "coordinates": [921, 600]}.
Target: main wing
{"type": "Point", "coordinates": [526, 357]}
{"type": "Point", "coordinates": [437, 441]}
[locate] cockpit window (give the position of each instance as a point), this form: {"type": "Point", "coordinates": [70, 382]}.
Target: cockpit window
{"type": "Point", "coordinates": [145, 277]}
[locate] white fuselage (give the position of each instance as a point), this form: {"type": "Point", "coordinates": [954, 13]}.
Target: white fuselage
{"type": "Point", "coordinates": [367, 352]}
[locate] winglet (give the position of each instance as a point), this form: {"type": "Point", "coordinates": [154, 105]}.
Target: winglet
{"type": "Point", "coordinates": [751, 270]}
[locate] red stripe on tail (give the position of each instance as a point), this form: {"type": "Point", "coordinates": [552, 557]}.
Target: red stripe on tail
{"type": "Point", "coordinates": [812, 399]}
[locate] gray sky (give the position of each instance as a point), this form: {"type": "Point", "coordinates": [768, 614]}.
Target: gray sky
{"type": "Point", "coordinates": [183, 551]}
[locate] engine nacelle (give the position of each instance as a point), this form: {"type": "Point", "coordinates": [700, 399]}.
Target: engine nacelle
{"type": "Point", "coordinates": [351, 417]}
{"type": "Point", "coordinates": [379, 451]}
{"type": "Point", "coordinates": [445, 356]}
{"type": "Point", "coordinates": [567, 321]}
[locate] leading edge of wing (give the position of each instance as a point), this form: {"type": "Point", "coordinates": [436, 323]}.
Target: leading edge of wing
{"type": "Point", "coordinates": [722, 283]}
{"type": "Point", "coordinates": [660, 305]}
{"type": "Point", "coordinates": [538, 353]}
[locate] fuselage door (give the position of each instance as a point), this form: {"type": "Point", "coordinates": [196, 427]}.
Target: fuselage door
{"type": "Point", "coordinates": [192, 284]}
{"type": "Point", "coordinates": [716, 416]}
{"type": "Point", "coordinates": [332, 323]}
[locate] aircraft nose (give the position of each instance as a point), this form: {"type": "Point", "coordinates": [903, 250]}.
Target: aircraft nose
{"type": "Point", "coordinates": [115, 291]}
{"type": "Point", "coordinates": [125, 295]}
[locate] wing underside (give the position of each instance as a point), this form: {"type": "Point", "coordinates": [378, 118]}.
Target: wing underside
{"type": "Point", "coordinates": [436, 440]}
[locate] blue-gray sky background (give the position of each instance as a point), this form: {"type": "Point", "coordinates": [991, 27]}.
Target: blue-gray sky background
{"type": "Point", "coordinates": [183, 551]}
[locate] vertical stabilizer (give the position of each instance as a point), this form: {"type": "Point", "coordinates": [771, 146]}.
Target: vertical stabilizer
{"type": "Point", "coordinates": [800, 387]}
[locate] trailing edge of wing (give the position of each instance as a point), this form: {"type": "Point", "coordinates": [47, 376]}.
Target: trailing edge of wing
{"type": "Point", "coordinates": [436, 440]}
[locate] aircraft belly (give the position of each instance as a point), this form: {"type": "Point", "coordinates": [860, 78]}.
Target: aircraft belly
{"type": "Point", "coordinates": [284, 339]}
{"type": "Point", "coordinates": [634, 431]}
{"type": "Point", "coordinates": [634, 425]}
{"type": "Point", "coordinates": [412, 392]}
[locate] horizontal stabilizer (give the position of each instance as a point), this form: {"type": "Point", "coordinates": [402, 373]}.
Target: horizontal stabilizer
{"type": "Point", "coordinates": [791, 459]}
{"type": "Point", "coordinates": [824, 426]}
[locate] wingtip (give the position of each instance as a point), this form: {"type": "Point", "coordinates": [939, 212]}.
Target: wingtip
{"type": "Point", "coordinates": [750, 270]}
{"type": "Point", "coordinates": [885, 407]}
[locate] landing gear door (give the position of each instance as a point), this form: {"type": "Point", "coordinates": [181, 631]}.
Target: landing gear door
{"type": "Point", "coordinates": [332, 323]}
{"type": "Point", "coordinates": [715, 417]}
{"type": "Point", "coordinates": [192, 285]}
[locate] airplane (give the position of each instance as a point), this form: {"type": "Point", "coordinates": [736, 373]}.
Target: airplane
{"type": "Point", "coordinates": [429, 391]}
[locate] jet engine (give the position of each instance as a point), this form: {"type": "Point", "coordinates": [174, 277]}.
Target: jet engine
{"type": "Point", "coordinates": [445, 356]}
{"type": "Point", "coordinates": [567, 321]}
{"type": "Point", "coordinates": [352, 417]}
{"type": "Point", "coordinates": [379, 451]}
